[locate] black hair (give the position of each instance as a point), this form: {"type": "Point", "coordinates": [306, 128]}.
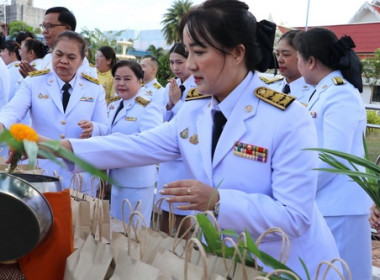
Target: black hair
{"type": "Point", "coordinates": [21, 36]}
{"type": "Point", "coordinates": [180, 49]}
{"type": "Point", "coordinates": [224, 24]}
{"type": "Point", "coordinates": [65, 16]}
{"type": "Point", "coordinates": [335, 54]}
{"type": "Point", "coordinates": [71, 35]}
{"type": "Point", "coordinates": [12, 47]}
{"type": "Point", "coordinates": [37, 47]}
{"type": "Point", "coordinates": [108, 53]}
{"type": "Point", "coordinates": [289, 37]}
{"type": "Point", "coordinates": [133, 65]}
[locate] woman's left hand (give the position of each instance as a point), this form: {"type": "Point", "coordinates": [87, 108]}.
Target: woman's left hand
{"type": "Point", "coordinates": [198, 196]}
{"type": "Point", "coordinates": [87, 128]}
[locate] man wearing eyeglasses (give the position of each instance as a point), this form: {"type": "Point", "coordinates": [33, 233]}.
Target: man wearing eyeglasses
{"type": "Point", "coordinates": [56, 20]}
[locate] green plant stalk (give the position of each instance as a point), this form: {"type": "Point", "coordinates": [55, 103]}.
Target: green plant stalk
{"type": "Point", "coordinates": [368, 180]}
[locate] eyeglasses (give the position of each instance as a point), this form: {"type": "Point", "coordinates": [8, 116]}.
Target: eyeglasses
{"type": "Point", "coordinates": [49, 26]}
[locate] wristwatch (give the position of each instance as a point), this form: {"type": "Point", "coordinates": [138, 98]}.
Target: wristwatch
{"type": "Point", "coordinates": [216, 209]}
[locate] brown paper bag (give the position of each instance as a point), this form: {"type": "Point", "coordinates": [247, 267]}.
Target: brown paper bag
{"type": "Point", "coordinates": [81, 211]}
{"type": "Point", "coordinates": [334, 268]}
{"type": "Point", "coordinates": [90, 261]}
{"type": "Point", "coordinates": [100, 225]}
{"type": "Point", "coordinates": [128, 268]}
{"type": "Point", "coordinates": [180, 268]}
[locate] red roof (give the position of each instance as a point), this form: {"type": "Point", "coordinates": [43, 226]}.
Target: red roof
{"type": "Point", "coordinates": [365, 35]}
{"type": "Point", "coordinates": [377, 8]}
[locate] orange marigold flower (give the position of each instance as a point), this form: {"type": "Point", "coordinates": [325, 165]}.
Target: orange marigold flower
{"type": "Point", "coordinates": [22, 131]}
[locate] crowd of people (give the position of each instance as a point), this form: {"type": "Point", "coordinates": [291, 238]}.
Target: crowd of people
{"type": "Point", "coordinates": [221, 136]}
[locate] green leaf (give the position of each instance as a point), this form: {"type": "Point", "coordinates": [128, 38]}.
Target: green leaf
{"type": "Point", "coordinates": [305, 269]}
{"type": "Point", "coordinates": [264, 257]}
{"type": "Point", "coordinates": [209, 231]}
{"type": "Point", "coordinates": [85, 166]}
{"type": "Point", "coordinates": [31, 149]}
{"type": "Point", "coordinates": [50, 156]}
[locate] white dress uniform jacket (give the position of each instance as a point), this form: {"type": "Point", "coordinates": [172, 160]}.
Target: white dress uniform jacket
{"type": "Point", "coordinates": [154, 92]}
{"type": "Point", "coordinates": [340, 118]}
{"type": "Point", "coordinates": [298, 88]}
{"type": "Point", "coordinates": [174, 170]}
{"type": "Point", "coordinates": [134, 183]}
{"type": "Point", "coordinates": [4, 83]}
{"type": "Point", "coordinates": [14, 77]}
{"type": "Point", "coordinates": [134, 118]}
{"type": "Point", "coordinates": [42, 96]}
{"type": "Point", "coordinates": [255, 194]}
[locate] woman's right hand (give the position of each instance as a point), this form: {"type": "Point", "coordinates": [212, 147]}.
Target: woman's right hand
{"type": "Point", "coordinates": [174, 93]}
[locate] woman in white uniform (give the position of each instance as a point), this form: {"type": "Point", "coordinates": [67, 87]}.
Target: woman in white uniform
{"type": "Point", "coordinates": [174, 97]}
{"type": "Point", "coordinates": [32, 51]}
{"type": "Point", "coordinates": [136, 115]}
{"type": "Point", "coordinates": [259, 176]}
{"type": "Point", "coordinates": [340, 118]}
{"type": "Point", "coordinates": [293, 83]}
{"type": "Point", "coordinates": [62, 103]}
{"type": "Point", "coordinates": [11, 57]}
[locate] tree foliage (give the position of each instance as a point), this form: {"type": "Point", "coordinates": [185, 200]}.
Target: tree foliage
{"type": "Point", "coordinates": [172, 18]}
{"type": "Point", "coordinates": [17, 26]}
{"type": "Point", "coordinates": [164, 72]}
{"type": "Point", "coordinates": [96, 39]}
{"type": "Point", "coordinates": [371, 69]}
{"type": "Point", "coordinates": [156, 52]}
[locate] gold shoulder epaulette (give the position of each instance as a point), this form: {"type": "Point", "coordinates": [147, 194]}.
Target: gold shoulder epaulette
{"type": "Point", "coordinates": [193, 94]}
{"type": "Point", "coordinates": [157, 85]}
{"type": "Point", "coordinates": [278, 99]}
{"type": "Point", "coordinates": [142, 101]}
{"type": "Point", "coordinates": [113, 98]}
{"type": "Point", "coordinates": [38, 73]}
{"type": "Point", "coordinates": [270, 81]}
{"type": "Point", "coordinates": [338, 81]}
{"type": "Point", "coordinates": [90, 78]}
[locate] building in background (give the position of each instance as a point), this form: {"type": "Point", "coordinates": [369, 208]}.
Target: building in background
{"type": "Point", "coordinates": [23, 10]}
{"type": "Point", "coordinates": [364, 29]}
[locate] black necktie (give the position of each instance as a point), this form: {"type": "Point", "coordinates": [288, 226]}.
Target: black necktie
{"type": "Point", "coordinates": [219, 122]}
{"type": "Point", "coordinates": [121, 106]}
{"type": "Point", "coordinates": [182, 88]}
{"type": "Point", "coordinates": [65, 95]}
{"type": "Point", "coordinates": [311, 96]}
{"type": "Point", "coordinates": [286, 89]}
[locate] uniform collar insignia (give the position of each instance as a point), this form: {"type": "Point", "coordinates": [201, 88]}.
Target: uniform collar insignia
{"type": "Point", "coordinates": [248, 108]}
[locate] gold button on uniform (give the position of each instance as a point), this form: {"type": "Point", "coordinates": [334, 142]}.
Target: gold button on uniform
{"type": "Point", "coordinates": [62, 136]}
{"type": "Point", "coordinates": [63, 122]}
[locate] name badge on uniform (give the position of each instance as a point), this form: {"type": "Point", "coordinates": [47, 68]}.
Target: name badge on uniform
{"type": "Point", "coordinates": [250, 151]}
{"type": "Point", "coordinates": [43, 96]}
{"type": "Point", "coordinates": [87, 99]}
{"type": "Point", "coordinates": [131, 119]}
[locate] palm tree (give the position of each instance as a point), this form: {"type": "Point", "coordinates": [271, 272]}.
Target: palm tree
{"type": "Point", "coordinates": [156, 52]}
{"type": "Point", "coordinates": [172, 19]}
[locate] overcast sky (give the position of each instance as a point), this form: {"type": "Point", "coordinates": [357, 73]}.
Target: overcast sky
{"type": "Point", "coordinates": [147, 14]}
